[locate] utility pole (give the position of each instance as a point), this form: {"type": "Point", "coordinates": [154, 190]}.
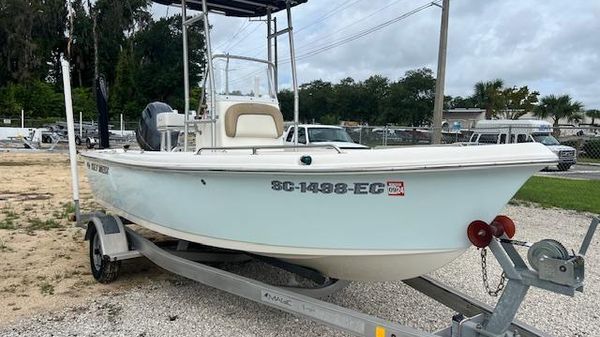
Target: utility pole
{"type": "Point", "coordinates": [438, 105]}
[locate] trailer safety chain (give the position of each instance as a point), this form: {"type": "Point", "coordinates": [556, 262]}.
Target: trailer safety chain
{"type": "Point", "coordinates": [484, 275]}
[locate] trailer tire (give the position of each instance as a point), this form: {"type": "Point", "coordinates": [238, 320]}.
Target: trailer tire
{"type": "Point", "coordinates": [88, 143]}
{"type": "Point", "coordinates": [103, 270]}
{"type": "Point", "coordinates": [77, 140]}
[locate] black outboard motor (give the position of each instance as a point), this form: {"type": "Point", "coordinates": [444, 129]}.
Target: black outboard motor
{"type": "Point", "coordinates": [147, 134]}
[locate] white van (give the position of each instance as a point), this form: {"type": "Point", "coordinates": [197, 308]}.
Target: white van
{"type": "Point", "coordinates": [505, 131]}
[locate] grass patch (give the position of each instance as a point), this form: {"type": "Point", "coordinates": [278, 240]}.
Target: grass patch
{"type": "Point", "coordinates": [588, 160]}
{"type": "Point", "coordinates": [68, 209]}
{"type": "Point", "coordinates": [9, 219]}
{"type": "Point", "coordinates": [4, 247]}
{"type": "Point", "coordinates": [37, 224]}
{"type": "Point", "coordinates": [579, 195]}
{"type": "Point", "coordinates": [46, 288]}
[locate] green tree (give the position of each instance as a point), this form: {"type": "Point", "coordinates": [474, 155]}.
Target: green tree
{"type": "Point", "coordinates": [115, 21]}
{"type": "Point", "coordinates": [31, 39]}
{"type": "Point", "coordinates": [157, 54]}
{"type": "Point", "coordinates": [376, 92]}
{"type": "Point", "coordinates": [83, 101]}
{"type": "Point", "coordinates": [82, 46]}
{"type": "Point", "coordinates": [459, 102]}
{"type": "Point", "coordinates": [593, 114]}
{"type": "Point", "coordinates": [411, 99]}
{"type": "Point", "coordinates": [316, 98]}
{"type": "Point", "coordinates": [346, 103]}
{"type": "Point", "coordinates": [123, 98]}
{"type": "Point", "coordinates": [487, 96]}
{"type": "Point", "coordinates": [286, 104]}
{"type": "Point", "coordinates": [515, 102]}
{"type": "Point", "coordinates": [557, 108]}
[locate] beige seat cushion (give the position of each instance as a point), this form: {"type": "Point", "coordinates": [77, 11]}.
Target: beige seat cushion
{"type": "Point", "coordinates": [253, 120]}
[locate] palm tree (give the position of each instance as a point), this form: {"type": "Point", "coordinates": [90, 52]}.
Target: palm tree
{"type": "Point", "coordinates": [487, 95]}
{"type": "Point", "coordinates": [593, 114]}
{"type": "Point", "coordinates": [557, 108]}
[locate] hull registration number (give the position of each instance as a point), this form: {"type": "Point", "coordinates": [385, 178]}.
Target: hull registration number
{"type": "Point", "coordinates": [391, 188]}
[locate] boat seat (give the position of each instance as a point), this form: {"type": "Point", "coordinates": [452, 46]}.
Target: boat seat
{"type": "Point", "coordinates": [253, 120]}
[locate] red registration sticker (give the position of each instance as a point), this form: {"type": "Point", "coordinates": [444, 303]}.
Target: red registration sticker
{"type": "Point", "coordinates": [395, 188]}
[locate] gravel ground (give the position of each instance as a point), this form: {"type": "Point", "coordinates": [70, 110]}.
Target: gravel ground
{"type": "Point", "coordinates": [178, 307]}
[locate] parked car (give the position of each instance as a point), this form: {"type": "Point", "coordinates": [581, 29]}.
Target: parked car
{"type": "Point", "coordinates": [523, 131]}
{"type": "Point", "coordinates": [322, 134]}
{"type": "Point", "coordinates": [383, 131]}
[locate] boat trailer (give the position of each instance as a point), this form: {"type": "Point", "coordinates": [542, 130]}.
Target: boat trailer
{"type": "Point", "coordinates": [112, 242]}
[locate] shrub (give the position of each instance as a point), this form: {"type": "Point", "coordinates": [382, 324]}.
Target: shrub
{"type": "Point", "coordinates": [572, 143]}
{"type": "Point", "coordinates": [592, 149]}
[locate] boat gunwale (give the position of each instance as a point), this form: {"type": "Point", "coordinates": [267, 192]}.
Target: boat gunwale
{"type": "Point", "coordinates": [304, 170]}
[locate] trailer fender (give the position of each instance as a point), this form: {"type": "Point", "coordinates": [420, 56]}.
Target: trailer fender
{"type": "Point", "coordinates": [110, 229]}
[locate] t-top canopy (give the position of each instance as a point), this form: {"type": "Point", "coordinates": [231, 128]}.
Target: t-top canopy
{"type": "Point", "coordinates": [241, 8]}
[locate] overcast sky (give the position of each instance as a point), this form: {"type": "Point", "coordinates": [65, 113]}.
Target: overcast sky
{"type": "Point", "coordinates": [552, 46]}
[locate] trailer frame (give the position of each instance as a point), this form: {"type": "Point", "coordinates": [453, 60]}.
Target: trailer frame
{"type": "Point", "coordinates": [118, 242]}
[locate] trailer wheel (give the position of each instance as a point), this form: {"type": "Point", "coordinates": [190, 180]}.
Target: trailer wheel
{"type": "Point", "coordinates": [88, 143]}
{"type": "Point", "coordinates": [103, 270]}
{"type": "Point", "coordinates": [77, 140]}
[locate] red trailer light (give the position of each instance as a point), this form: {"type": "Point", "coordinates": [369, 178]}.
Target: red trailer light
{"type": "Point", "coordinates": [480, 233]}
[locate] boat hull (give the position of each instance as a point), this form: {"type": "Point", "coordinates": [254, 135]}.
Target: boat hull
{"type": "Point", "coordinates": [376, 226]}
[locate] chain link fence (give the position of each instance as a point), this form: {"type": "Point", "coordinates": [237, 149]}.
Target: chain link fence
{"type": "Point", "coordinates": [52, 132]}
{"type": "Point", "coordinates": [114, 125]}
{"type": "Point", "coordinates": [585, 140]}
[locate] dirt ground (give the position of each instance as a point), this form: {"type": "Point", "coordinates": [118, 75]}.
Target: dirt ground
{"type": "Point", "coordinates": [44, 263]}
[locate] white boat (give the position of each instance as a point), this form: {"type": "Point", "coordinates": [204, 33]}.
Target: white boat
{"type": "Point", "coordinates": [376, 214]}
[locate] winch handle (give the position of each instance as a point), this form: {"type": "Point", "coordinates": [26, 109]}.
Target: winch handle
{"type": "Point", "coordinates": [588, 236]}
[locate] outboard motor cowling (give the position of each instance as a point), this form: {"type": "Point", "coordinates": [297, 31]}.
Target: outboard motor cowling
{"type": "Point", "coordinates": [147, 134]}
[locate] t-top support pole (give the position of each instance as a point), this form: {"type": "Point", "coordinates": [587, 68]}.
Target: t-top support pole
{"type": "Point", "coordinates": [438, 105]}
{"type": "Point", "coordinates": [294, 78]}
{"type": "Point", "coordinates": [276, 63]}
{"type": "Point", "coordinates": [227, 75]}
{"type": "Point", "coordinates": [210, 74]}
{"type": "Point", "coordinates": [71, 134]}
{"type": "Point", "coordinates": [186, 79]}
{"type": "Point", "coordinates": [270, 52]}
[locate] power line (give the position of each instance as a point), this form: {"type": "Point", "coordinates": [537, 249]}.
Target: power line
{"type": "Point", "coordinates": [257, 51]}
{"type": "Point", "coordinates": [328, 15]}
{"type": "Point", "coordinates": [360, 34]}
{"type": "Point", "coordinates": [242, 38]}
{"type": "Point", "coordinates": [242, 27]}
{"type": "Point", "coordinates": [322, 48]}
{"type": "Point", "coordinates": [352, 25]}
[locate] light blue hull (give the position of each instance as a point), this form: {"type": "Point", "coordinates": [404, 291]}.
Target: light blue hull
{"type": "Point", "coordinates": [433, 214]}
{"type": "Point", "coordinates": [356, 226]}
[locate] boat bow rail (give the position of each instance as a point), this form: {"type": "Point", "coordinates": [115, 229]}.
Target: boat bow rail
{"type": "Point", "coordinates": [271, 147]}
